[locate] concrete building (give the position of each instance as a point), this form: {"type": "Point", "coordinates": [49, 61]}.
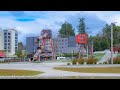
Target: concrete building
{"type": "Point", "coordinates": [10, 41]}
{"type": "Point", "coordinates": [1, 40]}
{"type": "Point", "coordinates": [67, 45]}
{"type": "Point", "coordinates": [72, 41]}
{"type": "Point", "coordinates": [31, 45]}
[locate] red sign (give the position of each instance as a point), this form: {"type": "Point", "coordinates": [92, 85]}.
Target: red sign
{"type": "Point", "coordinates": [81, 38]}
{"type": "Point", "coordinates": [2, 54]}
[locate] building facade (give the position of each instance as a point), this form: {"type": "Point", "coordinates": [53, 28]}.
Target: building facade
{"type": "Point", "coordinates": [1, 40]}
{"type": "Point", "coordinates": [10, 41]}
{"type": "Point", "coordinates": [31, 45]}
{"type": "Point", "coordinates": [67, 45]}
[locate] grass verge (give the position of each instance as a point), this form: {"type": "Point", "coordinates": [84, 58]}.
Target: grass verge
{"type": "Point", "coordinates": [7, 72]}
{"type": "Point", "coordinates": [91, 70]}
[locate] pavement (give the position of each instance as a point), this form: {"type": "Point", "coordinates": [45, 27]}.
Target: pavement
{"type": "Point", "coordinates": [48, 70]}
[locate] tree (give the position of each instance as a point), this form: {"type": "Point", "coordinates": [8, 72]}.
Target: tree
{"type": "Point", "coordinates": [66, 30]}
{"type": "Point", "coordinates": [20, 46]}
{"type": "Point", "coordinates": [82, 27]}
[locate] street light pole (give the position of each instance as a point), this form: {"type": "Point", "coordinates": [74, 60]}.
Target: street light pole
{"type": "Point", "coordinates": [111, 43]}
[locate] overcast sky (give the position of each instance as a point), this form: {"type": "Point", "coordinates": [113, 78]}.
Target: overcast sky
{"type": "Point", "coordinates": [30, 23]}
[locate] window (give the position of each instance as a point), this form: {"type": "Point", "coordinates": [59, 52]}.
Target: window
{"type": "Point", "coordinates": [5, 43]}
{"type": "Point", "coordinates": [8, 40]}
{"type": "Point", "coordinates": [8, 43]}
{"type": "Point", "coordinates": [5, 40]}
{"type": "Point", "coordinates": [15, 37]}
{"type": "Point", "coordinates": [5, 37]}
{"type": "Point", "coordinates": [8, 33]}
{"type": "Point", "coordinates": [9, 37]}
{"type": "Point", "coordinates": [15, 47]}
{"type": "Point", "coordinates": [5, 47]}
{"type": "Point", "coordinates": [62, 40]}
{"type": "Point", "coordinates": [5, 33]}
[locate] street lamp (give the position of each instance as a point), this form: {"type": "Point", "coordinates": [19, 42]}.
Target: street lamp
{"type": "Point", "coordinates": [112, 42]}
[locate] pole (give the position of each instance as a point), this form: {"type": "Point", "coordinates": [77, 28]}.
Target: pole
{"type": "Point", "coordinates": [111, 43]}
{"type": "Point", "coordinates": [87, 51]}
{"type": "Point", "coordinates": [40, 50]}
{"type": "Point", "coordinates": [72, 54]}
{"type": "Point", "coordinates": [79, 50]}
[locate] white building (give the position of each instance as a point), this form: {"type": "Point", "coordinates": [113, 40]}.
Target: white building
{"type": "Point", "coordinates": [10, 41]}
{"type": "Point", "coordinates": [1, 40]}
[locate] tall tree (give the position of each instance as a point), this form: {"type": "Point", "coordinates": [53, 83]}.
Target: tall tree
{"type": "Point", "coordinates": [66, 30]}
{"type": "Point", "coordinates": [82, 27]}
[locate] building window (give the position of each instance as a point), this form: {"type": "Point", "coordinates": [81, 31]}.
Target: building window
{"type": "Point", "coordinates": [15, 44]}
{"type": "Point", "coordinates": [8, 40]}
{"type": "Point", "coordinates": [9, 37]}
{"type": "Point", "coordinates": [5, 33]}
{"type": "Point", "coordinates": [15, 47]}
{"type": "Point", "coordinates": [8, 33]}
{"type": "Point", "coordinates": [5, 37]}
{"type": "Point", "coordinates": [5, 43]}
{"type": "Point", "coordinates": [62, 40]}
{"type": "Point", "coordinates": [5, 40]}
{"type": "Point", "coordinates": [15, 37]}
{"type": "Point", "coordinates": [8, 43]}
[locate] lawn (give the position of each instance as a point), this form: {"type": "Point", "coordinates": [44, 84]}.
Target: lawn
{"type": "Point", "coordinates": [118, 55]}
{"type": "Point", "coordinates": [98, 56]}
{"type": "Point", "coordinates": [91, 70]}
{"type": "Point", "coordinates": [7, 72]}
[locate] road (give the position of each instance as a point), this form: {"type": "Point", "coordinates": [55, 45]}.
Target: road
{"type": "Point", "coordinates": [48, 70]}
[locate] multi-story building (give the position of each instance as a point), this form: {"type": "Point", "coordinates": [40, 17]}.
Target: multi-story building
{"type": "Point", "coordinates": [31, 46]}
{"type": "Point", "coordinates": [67, 45]}
{"type": "Point", "coordinates": [10, 41]}
{"type": "Point", "coordinates": [1, 40]}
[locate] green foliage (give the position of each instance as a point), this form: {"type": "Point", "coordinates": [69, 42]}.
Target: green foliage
{"type": "Point", "coordinates": [66, 30]}
{"type": "Point", "coordinates": [82, 26]}
{"type": "Point", "coordinates": [102, 40]}
{"type": "Point", "coordinates": [81, 61]}
{"type": "Point", "coordinates": [74, 62]}
{"type": "Point", "coordinates": [91, 60]}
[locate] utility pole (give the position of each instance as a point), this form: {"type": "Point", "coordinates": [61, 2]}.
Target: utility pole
{"type": "Point", "coordinates": [87, 51]}
{"type": "Point", "coordinates": [111, 43]}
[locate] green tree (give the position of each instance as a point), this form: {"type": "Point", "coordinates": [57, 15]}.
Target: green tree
{"type": "Point", "coordinates": [66, 30]}
{"type": "Point", "coordinates": [82, 27]}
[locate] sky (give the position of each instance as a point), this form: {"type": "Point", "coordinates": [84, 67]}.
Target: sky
{"type": "Point", "coordinates": [30, 23]}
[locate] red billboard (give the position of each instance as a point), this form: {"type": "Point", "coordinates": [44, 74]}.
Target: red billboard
{"type": "Point", "coordinates": [81, 38]}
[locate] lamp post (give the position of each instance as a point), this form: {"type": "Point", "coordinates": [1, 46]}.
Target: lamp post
{"type": "Point", "coordinates": [112, 42]}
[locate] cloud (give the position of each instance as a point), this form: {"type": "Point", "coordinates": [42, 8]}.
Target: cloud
{"type": "Point", "coordinates": [29, 23]}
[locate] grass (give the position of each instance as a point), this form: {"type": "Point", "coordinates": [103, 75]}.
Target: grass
{"type": "Point", "coordinates": [91, 70]}
{"type": "Point", "coordinates": [118, 55]}
{"type": "Point", "coordinates": [98, 56]}
{"type": "Point", "coordinates": [7, 72]}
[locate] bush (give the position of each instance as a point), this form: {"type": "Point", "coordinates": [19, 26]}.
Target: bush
{"type": "Point", "coordinates": [116, 60]}
{"type": "Point", "coordinates": [74, 62]}
{"type": "Point", "coordinates": [68, 63]}
{"type": "Point", "coordinates": [91, 60]}
{"type": "Point", "coordinates": [81, 61]}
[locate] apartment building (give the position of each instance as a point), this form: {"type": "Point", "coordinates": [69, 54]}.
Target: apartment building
{"type": "Point", "coordinates": [31, 45]}
{"type": "Point", "coordinates": [10, 41]}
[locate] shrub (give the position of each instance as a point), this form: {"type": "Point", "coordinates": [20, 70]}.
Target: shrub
{"type": "Point", "coordinates": [81, 61]}
{"type": "Point", "coordinates": [68, 63]}
{"type": "Point", "coordinates": [91, 60]}
{"type": "Point", "coordinates": [74, 62]}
